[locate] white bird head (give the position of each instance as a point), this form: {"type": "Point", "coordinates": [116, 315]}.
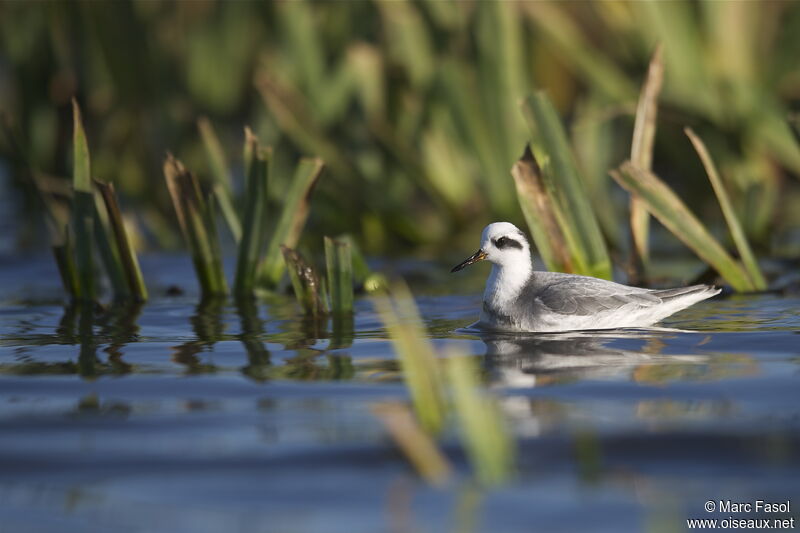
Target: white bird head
{"type": "Point", "coordinates": [503, 244]}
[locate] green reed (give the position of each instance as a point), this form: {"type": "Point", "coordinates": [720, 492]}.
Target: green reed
{"type": "Point", "coordinates": [440, 394]}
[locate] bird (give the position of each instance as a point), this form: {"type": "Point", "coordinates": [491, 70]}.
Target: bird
{"type": "Point", "coordinates": [519, 299]}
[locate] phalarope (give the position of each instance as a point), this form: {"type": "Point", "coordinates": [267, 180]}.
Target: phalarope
{"type": "Point", "coordinates": [518, 299]}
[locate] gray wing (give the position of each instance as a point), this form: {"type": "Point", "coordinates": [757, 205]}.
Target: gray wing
{"type": "Point", "coordinates": [588, 296]}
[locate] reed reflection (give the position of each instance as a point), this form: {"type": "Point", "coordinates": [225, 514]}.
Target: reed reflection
{"type": "Point", "coordinates": [258, 357]}
{"type": "Point", "coordinates": [208, 328]}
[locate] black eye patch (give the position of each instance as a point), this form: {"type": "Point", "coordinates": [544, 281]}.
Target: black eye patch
{"type": "Point", "coordinates": [506, 242]}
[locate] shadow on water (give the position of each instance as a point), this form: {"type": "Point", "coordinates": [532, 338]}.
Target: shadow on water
{"type": "Point", "coordinates": [208, 329]}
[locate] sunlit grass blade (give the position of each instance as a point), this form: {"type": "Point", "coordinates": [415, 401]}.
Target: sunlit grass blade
{"type": "Point", "coordinates": [418, 361]}
{"type": "Point", "coordinates": [82, 208]}
{"type": "Point", "coordinates": [745, 252]}
{"type": "Point", "coordinates": [488, 442]}
{"type": "Point", "coordinates": [221, 176]}
{"type": "Point", "coordinates": [305, 282]}
{"type": "Point", "coordinates": [566, 188]}
{"type": "Point", "coordinates": [668, 208]}
{"type": "Point", "coordinates": [339, 264]}
{"type": "Point", "coordinates": [644, 133]}
{"type": "Point", "coordinates": [539, 213]}
{"type": "Point", "coordinates": [291, 221]}
{"type": "Point", "coordinates": [257, 163]}
{"type": "Point", "coordinates": [417, 445]}
{"type": "Point", "coordinates": [197, 226]}
{"type": "Point", "coordinates": [124, 245]}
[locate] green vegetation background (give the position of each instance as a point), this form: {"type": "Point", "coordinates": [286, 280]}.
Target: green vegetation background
{"type": "Point", "coordinates": [414, 106]}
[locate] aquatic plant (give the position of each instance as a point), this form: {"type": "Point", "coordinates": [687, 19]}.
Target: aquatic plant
{"type": "Point", "coordinates": [305, 283]}
{"type": "Point", "coordinates": [670, 210]}
{"type": "Point", "coordinates": [425, 116]}
{"type": "Point", "coordinates": [118, 254]}
{"type": "Point", "coordinates": [198, 224]}
{"type": "Point", "coordinates": [437, 394]}
{"type": "Point", "coordinates": [339, 268]}
{"type": "Point", "coordinates": [257, 163]}
{"type": "Point", "coordinates": [82, 209]}
{"type": "Point", "coordinates": [489, 444]}
{"type": "Point", "coordinates": [418, 360]}
{"type": "Point", "coordinates": [644, 134]}
{"type": "Point", "coordinates": [745, 252]}
{"type": "Point", "coordinates": [293, 216]}
{"type": "Point", "coordinates": [221, 176]}
{"type": "Point", "coordinates": [565, 192]}
{"type": "Point", "coordinates": [92, 223]}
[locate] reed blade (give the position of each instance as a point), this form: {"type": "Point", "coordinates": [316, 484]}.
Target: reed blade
{"type": "Point", "coordinates": [257, 164]}
{"type": "Point", "coordinates": [124, 245]}
{"type": "Point", "coordinates": [644, 132]}
{"type": "Point", "coordinates": [292, 219]}
{"type": "Point", "coordinates": [107, 248]}
{"type": "Point", "coordinates": [489, 444]}
{"type": "Point", "coordinates": [670, 210]}
{"type": "Point", "coordinates": [566, 188]}
{"type": "Point", "coordinates": [417, 445]}
{"type": "Point", "coordinates": [539, 212]}
{"type": "Point", "coordinates": [221, 177]}
{"type": "Point", "coordinates": [82, 208]}
{"type": "Point", "coordinates": [339, 264]}
{"type": "Point", "coordinates": [745, 252]}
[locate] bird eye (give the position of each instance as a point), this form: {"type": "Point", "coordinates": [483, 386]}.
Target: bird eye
{"type": "Point", "coordinates": [501, 242]}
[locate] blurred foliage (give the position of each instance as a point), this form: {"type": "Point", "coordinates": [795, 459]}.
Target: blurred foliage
{"type": "Point", "coordinates": [414, 105]}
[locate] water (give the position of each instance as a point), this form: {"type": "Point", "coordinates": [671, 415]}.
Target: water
{"type": "Point", "coordinates": [182, 417]}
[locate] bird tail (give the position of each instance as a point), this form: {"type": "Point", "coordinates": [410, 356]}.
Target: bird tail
{"type": "Point", "coordinates": [701, 292]}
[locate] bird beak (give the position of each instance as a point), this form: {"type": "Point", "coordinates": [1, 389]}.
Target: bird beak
{"type": "Point", "coordinates": [480, 255]}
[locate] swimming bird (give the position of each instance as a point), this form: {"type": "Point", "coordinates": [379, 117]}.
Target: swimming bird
{"type": "Point", "coordinates": [517, 298]}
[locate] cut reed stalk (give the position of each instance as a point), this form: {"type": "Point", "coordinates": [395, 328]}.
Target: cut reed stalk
{"type": "Point", "coordinates": [566, 188]}
{"type": "Point", "coordinates": [197, 225]}
{"type": "Point", "coordinates": [291, 221]}
{"type": "Point", "coordinates": [339, 265]}
{"type": "Point", "coordinates": [668, 208]}
{"type": "Point", "coordinates": [82, 209]}
{"type": "Point", "coordinates": [361, 270]}
{"type": "Point", "coordinates": [745, 252]}
{"type": "Point", "coordinates": [644, 132]}
{"type": "Point", "coordinates": [257, 165]}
